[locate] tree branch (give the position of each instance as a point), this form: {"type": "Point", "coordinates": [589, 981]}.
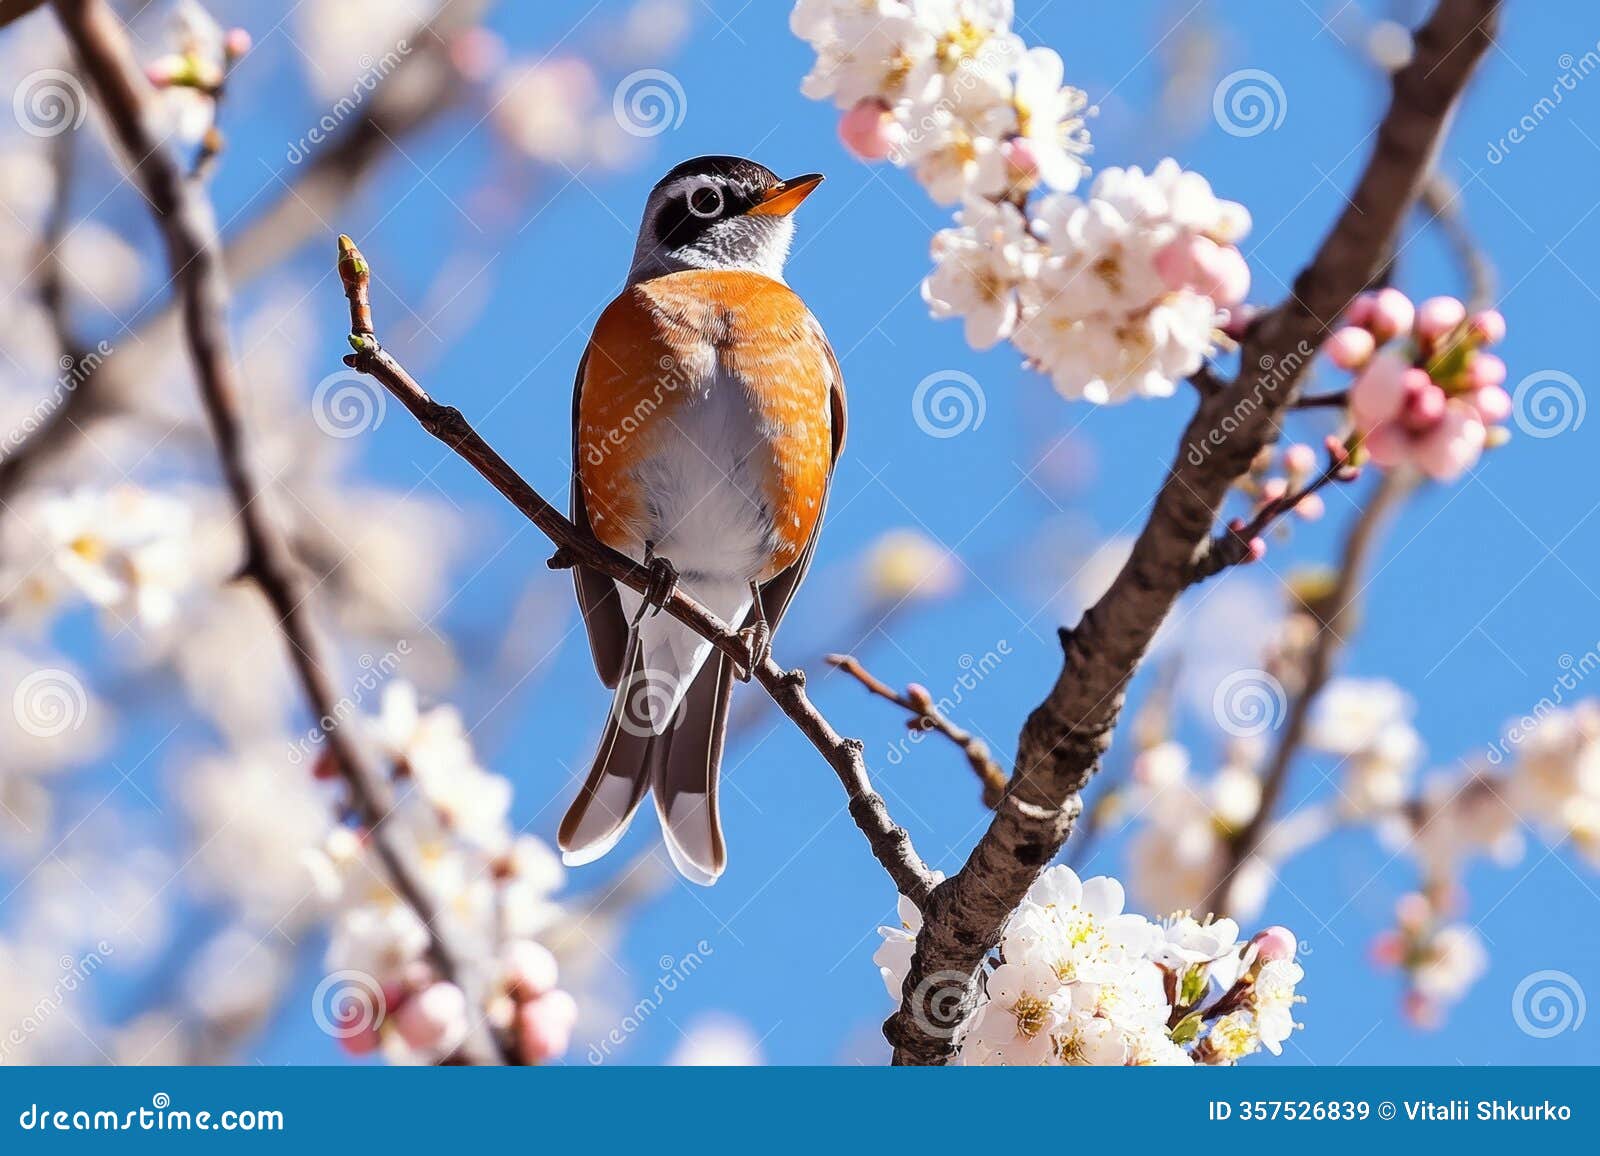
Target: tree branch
{"type": "Point", "coordinates": [890, 843]}
{"type": "Point", "coordinates": [1064, 738]}
{"type": "Point", "coordinates": [1335, 613]}
{"type": "Point", "coordinates": [422, 87]}
{"type": "Point", "coordinates": [925, 716]}
{"type": "Point", "coordinates": [187, 223]}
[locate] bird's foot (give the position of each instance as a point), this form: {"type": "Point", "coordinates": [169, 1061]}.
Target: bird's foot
{"type": "Point", "coordinates": [757, 639]}
{"type": "Point", "coordinates": [663, 583]}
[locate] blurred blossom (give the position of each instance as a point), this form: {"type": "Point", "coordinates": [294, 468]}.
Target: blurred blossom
{"type": "Point", "coordinates": [102, 268]}
{"type": "Point", "coordinates": [236, 980]}
{"type": "Point", "coordinates": [1556, 778]}
{"type": "Point", "coordinates": [1181, 850]}
{"type": "Point", "coordinates": [540, 108]}
{"type": "Point", "coordinates": [495, 885]}
{"type": "Point", "coordinates": [339, 41]}
{"type": "Point", "coordinates": [907, 564]}
{"type": "Point", "coordinates": [719, 1041]}
{"type": "Point", "coordinates": [1368, 722]}
{"type": "Point", "coordinates": [128, 550]}
{"type": "Point", "coordinates": [257, 821]}
{"type": "Point", "coordinates": [651, 30]}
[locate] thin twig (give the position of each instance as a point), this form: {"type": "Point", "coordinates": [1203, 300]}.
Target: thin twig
{"type": "Point", "coordinates": [423, 86]}
{"type": "Point", "coordinates": [890, 843]}
{"type": "Point", "coordinates": [184, 214]}
{"type": "Point", "coordinates": [1239, 543]}
{"type": "Point", "coordinates": [925, 716]}
{"type": "Point", "coordinates": [1335, 612]}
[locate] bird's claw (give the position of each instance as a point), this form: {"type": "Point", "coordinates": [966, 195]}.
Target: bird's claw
{"type": "Point", "coordinates": [663, 584]}
{"type": "Point", "coordinates": [757, 639]}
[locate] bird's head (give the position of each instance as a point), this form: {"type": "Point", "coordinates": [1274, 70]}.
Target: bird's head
{"type": "Point", "coordinates": [719, 213]}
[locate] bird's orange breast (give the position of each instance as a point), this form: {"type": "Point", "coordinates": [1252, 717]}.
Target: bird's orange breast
{"type": "Point", "coordinates": [653, 352]}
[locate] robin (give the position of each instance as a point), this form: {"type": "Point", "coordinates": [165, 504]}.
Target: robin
{"type": "Point", "coordinates": [706, 420]}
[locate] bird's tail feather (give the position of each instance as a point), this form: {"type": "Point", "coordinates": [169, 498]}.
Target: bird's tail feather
{"type": "Point", "coordinates": [685, 778]}
{"type": "Point", "coordinates": [618, 778]}
{"type": "Point", "coordinates": [680, 755]}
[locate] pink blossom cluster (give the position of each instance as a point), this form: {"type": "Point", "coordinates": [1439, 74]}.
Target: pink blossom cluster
{"type": "Point", "coordinates": [1426, 394]}
{"type": "Point", "coordinates": [430, 1015]}
{"type": "Point", "coordinates": [1440, 960]}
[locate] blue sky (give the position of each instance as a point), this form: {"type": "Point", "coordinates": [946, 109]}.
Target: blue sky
{"type": "Point", "coordinates": [1479, 590]}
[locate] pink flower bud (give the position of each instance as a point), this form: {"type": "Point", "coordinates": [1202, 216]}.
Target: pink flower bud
{"type": "Point", "coordinates": [1176, 262]}
{"type": "Point", "coordinates": [1485, 371]}
{"type": "Point", "coordinates": [1310, 508]}
{"type": "Point", "coordinates": [1258, 549]}
{"type": "Point", "coordinates": [435, 1017]}
{"type": "Point", "coordinates": [236, 43]}
{"type": "Point", "coordinates": [1493, 404]}
{"type": "Point", "coordinates": [1224, 275]}
{"type": "Point", "coordinates": [1350, 347]}
{"type": "Point", "coordinates": [1488, 327]}
{"type": "Point", "coordinates": [477, 53]}
{"type": "Point", "coordinates": [362, 1043]}
{"type": "Point", "coordinates": [1380, 391]}
{"type": "Point", "coordinates": [868, 130]}
{"type": "Point", "coordinates": [1387, 445]}
{"type": "Point", "coordinates": [1388, 949]}
{"type": "Point", "coordinates": [1392, 315]}
{"type": "Point", "coordinates": [1274, 488]}
{"type": "Point", "coordinates": [1437, 316]}
{"type": "Point", "coordinates": [544, 1026]}
{"type": "Point", "coordinates": [163, 70]}
{"type": "Point", "coordinates": [1424, 404]}
{"type": "Point", "coordinates": [1239, 319]}
{"type": "Point", "coordinates": [1300, 458]}
{"type": "Point", "coordinates": [1022, 161]}
{"type": "Point", "coordinates": [530, 969]}
{"type": "Point", "coordinates": [1453, 445]}
{"type": "Point", "coordinates": [1420, 1010]}
{"type": "Point", "coordinates": [1413, 911]}
{"type": "Point", "coordinates": [1275, 942]}
{"type": "Point", "coordinates": [1361, 310]}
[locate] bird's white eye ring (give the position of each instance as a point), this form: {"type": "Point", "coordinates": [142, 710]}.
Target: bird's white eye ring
{"type": "Point", "coordinates": [705, 200]}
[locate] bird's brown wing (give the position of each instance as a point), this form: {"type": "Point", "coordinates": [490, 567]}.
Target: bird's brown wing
{"type": "Point", "coordinates": [777, 592]}
{"type": "Point", "coordinates": [603, 618]}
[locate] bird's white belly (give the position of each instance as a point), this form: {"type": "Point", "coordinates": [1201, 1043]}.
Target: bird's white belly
{"type": "Point", "coordinates": [708, 512]}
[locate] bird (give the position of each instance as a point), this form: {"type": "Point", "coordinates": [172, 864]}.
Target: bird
{"type": "Point", "coordinates": [707, 419]}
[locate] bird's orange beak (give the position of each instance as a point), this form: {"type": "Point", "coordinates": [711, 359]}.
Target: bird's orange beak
{"type": "Point", "coordinates": [785, 196]}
